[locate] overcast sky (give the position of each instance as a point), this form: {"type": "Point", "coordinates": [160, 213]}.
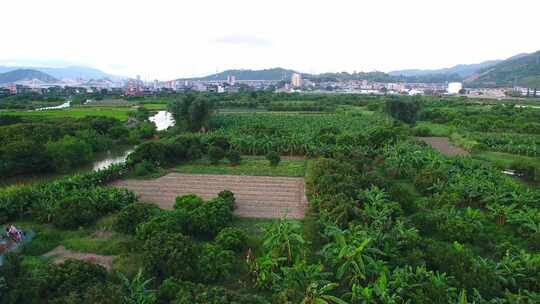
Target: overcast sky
{"type": "Point", "coordinates": [169, 39]}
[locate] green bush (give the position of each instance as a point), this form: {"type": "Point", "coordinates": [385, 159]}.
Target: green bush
{"type": "Point", "coordinates": [176, 221]}
{"type": "Point", "coordinates": [231, 238]}
{"type": "Point", "coordinates": [228, 197]}
{"type": "Point", "coordinates": [71, 278]}
{"type": "Point", "coordinates": [68, 153]}
{"type": "Point", "coordinates": [210, 217]}
{"type": "Point", "coordinates": [144, 168]}
{"type": "Point", "coordinates": [215, 154]}
{"type": "Point", "coordinates": [188, 202]}
{"type": "Point", "coordinates": [234, 157]}
{"type": "Point", "coordinates": [132, 215]}
{"type": "Point", "coordinates": [421, 131]}
{"type": "Point", "coordinates": [170, 255]}
{"type": "Point", "coordinates": [274, 158]}
{"type": "Point", "coordinates": [214, 263]}
{"type": "Point", "coordinates": [15, 201]}
{"type": "Point", "coordinates": [182, 292]}
{"type": "Point", "coordinates": [73, 212]}
{"type": "Point", "coordinates": [154, 152]}
{"type": "Point", "coordinates": [529, 169]}
{"type": "Point", "coordinates": [81, 207]}
{"type": "Point", "coordinates": [221, 142]}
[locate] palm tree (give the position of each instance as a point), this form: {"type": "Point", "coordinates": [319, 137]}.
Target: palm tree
{"type": "Point", "coordinates": [135, 291]}
{"type": "Point", "coordinates": [317, 293]}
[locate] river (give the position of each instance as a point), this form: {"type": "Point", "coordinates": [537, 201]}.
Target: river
{"type": "Point", "coordinates": [117, 155]}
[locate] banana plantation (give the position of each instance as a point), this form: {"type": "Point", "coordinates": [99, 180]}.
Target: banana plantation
{"type": "Point", "coordinates": [389, 219]}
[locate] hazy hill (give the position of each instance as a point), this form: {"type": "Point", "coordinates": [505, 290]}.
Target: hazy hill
{"type": "Point", "coordinates": [25, 74]}
{"type": "Point", "coordinates": [463, 70]}
{"type": "Point", "coordinates": [268, 74]}
{"type": "Point", "coordinates": [72, 72]}
{"type": "Point", "coordinates": [521, 70]}
{"type": "Point", "coordinates": [383, 77]}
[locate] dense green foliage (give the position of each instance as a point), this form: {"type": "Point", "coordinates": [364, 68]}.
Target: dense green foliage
{"type": "Point", "coordinates": [389, 220]}
{"type": "Point", "coordinates": [69, 202]}
{"type": "Point", "coordinates": [58, 145]}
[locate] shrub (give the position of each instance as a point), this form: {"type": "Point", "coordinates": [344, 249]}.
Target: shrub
{"type": "Point", "coordinates": [176, 221]}
{"type": "Point", "coordinates": [529, 169]}
{"type": "Point", "coordinates": [181, 292]}
{"type": "Point", "coordinates": [73, 212]}
{"type": "Point", "coordinates": [215, 154]}
{"type": "Point", "coordinates": [220, 142]}
{"type": "Point", "coordinates": [144, 168]}
{"type": "Point", "coordinates": [421, 131]}
{"type": "Point", "coordinates": [170, 255]}
{"type": "Point", "coordinates": [73, 277]}
{"type": "Point", "coordinates": [234, 157]}
{"type": "Point", "coordinates": [214, 263]}
{"type": "Point", "coordinates": [68, 152]}
{"type": "Point", "coordinates": [15, 202]}
{"type": "Point", "coordinates": [228, 197]}
{"type": "Point", "coordinates": [232, 239]}
{"type": "Point", "coordinates": [132, 215]}
{"type": "Point", "coordinates": [210, 217]}
{"type": "Point", "coordinates": [274, 158]}
{"type": "Point", "coordinates": [154, 152]}
{"type": "Point", "coordinates": [188, 202]}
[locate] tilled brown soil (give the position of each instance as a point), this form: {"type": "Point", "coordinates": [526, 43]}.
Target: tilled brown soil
{"type": "Point", "coordinates": [443, 145]}
{"type": "Point", "coordinates": [256, 196]}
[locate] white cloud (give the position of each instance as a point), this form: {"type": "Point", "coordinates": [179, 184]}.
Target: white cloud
{"type": "Point", "coordinates": [165, 39]}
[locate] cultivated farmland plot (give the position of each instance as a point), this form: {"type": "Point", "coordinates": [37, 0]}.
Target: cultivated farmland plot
{"type": "Point", "coordinates": [256, 196]}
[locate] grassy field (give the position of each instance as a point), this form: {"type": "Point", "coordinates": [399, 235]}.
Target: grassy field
{"type": "Point", "coordinates": [155, 106]}
{"type": "Point", "coordinates": [502, 160]}
{"type": "Point", "coordinates": [120, 113]}
{"type": "Point", "coordinates": [250, 165]}
{"type": "Point", "coordinates": [98, 239]}
{"type": "Point", "coordinates": [435, 129]}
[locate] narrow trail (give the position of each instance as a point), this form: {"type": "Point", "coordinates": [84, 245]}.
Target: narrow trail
{"type": "Point", "coordinates": [256, 196]}
{"type": "Point", "coordinates": [60, 254]}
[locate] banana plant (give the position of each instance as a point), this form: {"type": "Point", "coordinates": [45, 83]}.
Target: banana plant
{"type": "Point", "coordinates": [318, 293]}
{"type": "Point", "coordinates": [136, 291]}
{"type": "Point", "coordinates": [284, 239]}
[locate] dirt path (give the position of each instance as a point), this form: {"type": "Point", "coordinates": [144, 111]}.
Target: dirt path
{"type": "Point", "coordinates": [256, 196]}
{"type": "Point", "coordinates": [443, 145]}
{"type": "Point", "coordinates": [60, 254]}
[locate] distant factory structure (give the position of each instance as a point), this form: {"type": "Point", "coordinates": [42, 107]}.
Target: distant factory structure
{"type": "Point", "coordinates": [454, 87]}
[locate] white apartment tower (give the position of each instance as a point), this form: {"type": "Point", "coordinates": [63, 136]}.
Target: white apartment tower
{"type": "Point", "coordinates": [296, 80]}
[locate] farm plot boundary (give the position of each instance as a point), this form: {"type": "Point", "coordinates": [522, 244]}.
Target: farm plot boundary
{"type": "Point", "coordinates": [256, 196]}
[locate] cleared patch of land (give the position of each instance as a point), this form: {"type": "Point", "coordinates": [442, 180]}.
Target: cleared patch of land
{"type": "Point", "coordinates": [60, 254]}
{"type": "Point", "coordinates": [443, 145]}
{"type": "Point", "coordinates": [256, 196]}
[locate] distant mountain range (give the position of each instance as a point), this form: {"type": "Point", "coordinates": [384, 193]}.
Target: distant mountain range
{"type": "Point", "coordinates": [462, 70]}
{"type": "Point", "coordinates": [520, 70]}
{"type": "Point", "coordinates": [25, 75]}
{"type": "Point", "coordinates": [268, 74]}
{"type": "Point", "coordinates": [72, 72]}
